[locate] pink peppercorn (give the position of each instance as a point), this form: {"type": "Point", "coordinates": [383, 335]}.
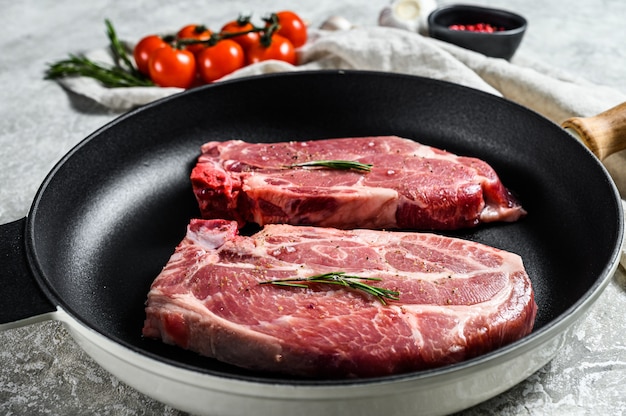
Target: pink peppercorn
{"type": "Point", "coordinates": [478, 27]}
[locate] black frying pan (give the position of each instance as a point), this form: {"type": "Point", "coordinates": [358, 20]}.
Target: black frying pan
{"type": "Point", "coordinates": [109, 215]}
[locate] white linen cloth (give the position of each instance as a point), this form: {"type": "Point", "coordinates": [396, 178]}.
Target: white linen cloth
{"type": "Point", "coordinates": [551, 92]}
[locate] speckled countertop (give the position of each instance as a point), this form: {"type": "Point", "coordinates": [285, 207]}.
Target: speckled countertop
{"type": "Point", "coordinates": [42, 369]}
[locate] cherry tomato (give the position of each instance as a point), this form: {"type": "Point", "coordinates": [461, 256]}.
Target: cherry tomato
{"type": "Point", "coordinates": [242, 25]}
{"type": "Point", "coordinates": [144, 48]}
{"type": "Point", "coordinates": [170, 67]}
{"type": "Point", "coordinates": [198, 32]}
{"type": "Point", "coordinates": [292, 27]}
{"type": "Point", "coordinates": [220, 59]}
{"type": "Point", "coordinates": [280, 48]}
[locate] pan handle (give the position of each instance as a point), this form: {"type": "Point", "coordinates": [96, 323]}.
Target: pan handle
{"type": "Point", "coordinates": [23, 301]}
{"type": "Point", "coordinates": [603, 134]}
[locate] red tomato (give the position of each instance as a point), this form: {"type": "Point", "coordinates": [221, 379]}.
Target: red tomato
{"type": "Point", "coordinates": [242, 25]}
{"type": "Point", "coordinates": [144, 48]}
{"type": "Point", "coordinates": [280, 48]}
{"type": "Point", "coordinates": [198, 32]}
{"type": "Point", "coordinates": [292, 27]}
{"type": "Point", "coordinates": [221, 59]}
{"type": "Point", "coordinates": [171, 67]}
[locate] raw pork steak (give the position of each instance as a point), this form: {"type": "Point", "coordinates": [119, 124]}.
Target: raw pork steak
{"type": "Point", "coordinates": [458, 299]}
{"type": "Point", "coordinates": [410, 186]}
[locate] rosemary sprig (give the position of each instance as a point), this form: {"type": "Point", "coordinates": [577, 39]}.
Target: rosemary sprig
{"type": "Point", "coordinates": [123, 74]}
{"type": "Point", "coordinates": [77, 65]}
{"type": "Point", "coordinates": [120, 53]}
{"type": "Point", "coordinates": [334, 164]}
{"type": "Point", "coordinates": [342, 279]}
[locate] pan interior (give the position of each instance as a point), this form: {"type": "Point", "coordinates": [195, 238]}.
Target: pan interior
{"type": "Point", "coordinates": [110, 214]}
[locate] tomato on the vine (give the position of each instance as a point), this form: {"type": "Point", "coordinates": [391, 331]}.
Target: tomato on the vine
{"type": "Point", "coordinates": [280, 48]}
{"type": "Point", "coordinates": [219, 60]}
{"type": "Point", "coordinates": [197, 32]}
{"type": "Point", "coordinates": [144, 49]}
{"type": "Point", "coordinates": [292, 27]}
{"type": "Point", "coordinates": [242, 25]}
{"type": "Point", "coordinates": [178, 61]}
{"type": "Point", "coordinates": [170, 67]}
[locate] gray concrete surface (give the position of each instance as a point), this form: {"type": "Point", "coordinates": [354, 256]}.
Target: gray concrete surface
{"type": "Point", "coordinates": [43, 371]}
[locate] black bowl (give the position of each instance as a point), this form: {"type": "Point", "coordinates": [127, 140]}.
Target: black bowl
{"type": "Point", "coordinates": [498, 44]}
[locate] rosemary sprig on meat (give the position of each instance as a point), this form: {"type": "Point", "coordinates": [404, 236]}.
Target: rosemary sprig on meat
{"type": "Point", "coordinates": [342, 279]}
{"type": "Point", "coordinates": [334, 164]}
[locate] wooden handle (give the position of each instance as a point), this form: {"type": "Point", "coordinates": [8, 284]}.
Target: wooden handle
{"type": "Point", "coordinates": [603, 134]}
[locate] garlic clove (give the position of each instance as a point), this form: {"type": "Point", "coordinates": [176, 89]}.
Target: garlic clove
{"type": "Point", "coordinates": [336, 23]}
{"type": "Point", "coordinates": [410, 15]}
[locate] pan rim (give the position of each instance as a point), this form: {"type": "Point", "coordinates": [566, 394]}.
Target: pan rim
{"type": "Point", "coordinates": [537, 337]}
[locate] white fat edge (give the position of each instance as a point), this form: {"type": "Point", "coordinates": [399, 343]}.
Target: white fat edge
{"type": "Point", "coordinates": [383, 210]}
{"type": "Point", "coordinates": [186, 303]}
{"type": "Point", "coordinates": [429, 152]}
{"type": "Point", "coordinates": [283, 320]}
{"type": "Point", "coordinates": [495, 212]}
{"type": "Point", "coordinates": [256, 180]}
{"type": "Point", "coordinates": [209, 145]}
{"type": "Point", "coordinates": [381, 206]}
{"type": "Point", "coordinates": [211, 241]}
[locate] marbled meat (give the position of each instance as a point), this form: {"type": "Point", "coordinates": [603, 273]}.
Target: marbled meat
{"type": "Point", "coordinates": [457, 299]}
{"type": "Point", "coordinates": [410, 186]}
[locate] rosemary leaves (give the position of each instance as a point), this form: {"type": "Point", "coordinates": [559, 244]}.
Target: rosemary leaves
{"type": "Point", "coordinates": [334, 164]}
{"type": "Point", "coordinates": [122, 74]}
{"type": "Point", "coordinates": [342, 279]}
